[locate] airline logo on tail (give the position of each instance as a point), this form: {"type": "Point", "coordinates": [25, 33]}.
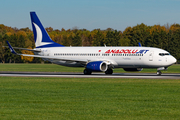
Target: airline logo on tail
{"type": "Point", "coordinates": [41, 37]}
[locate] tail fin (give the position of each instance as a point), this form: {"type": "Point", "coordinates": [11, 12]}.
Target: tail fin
{"type": "Point", "coordinates": [41, 37]}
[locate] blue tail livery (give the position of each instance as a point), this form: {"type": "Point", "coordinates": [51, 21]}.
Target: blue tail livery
{"type": "Point", "coordinates": [41, 37]}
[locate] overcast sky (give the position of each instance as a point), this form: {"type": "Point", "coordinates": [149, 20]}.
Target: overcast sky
{"type": "Point", "coordinates": [90, 14]}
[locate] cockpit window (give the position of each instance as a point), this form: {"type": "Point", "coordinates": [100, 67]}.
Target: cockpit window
{"type": "Point", "coordinates": [163, 54]}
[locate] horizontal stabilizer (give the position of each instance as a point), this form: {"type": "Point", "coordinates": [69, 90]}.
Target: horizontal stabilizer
{"type": "Point", "coordinates": [11, 49]}
{"type": "Point", "coordinates": [24, 49]}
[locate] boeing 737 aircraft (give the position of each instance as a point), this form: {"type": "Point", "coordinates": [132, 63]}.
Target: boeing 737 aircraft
{"type": "Point", "coordinates": [93, 59]}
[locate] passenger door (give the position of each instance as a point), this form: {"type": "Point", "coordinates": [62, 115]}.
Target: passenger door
{"type": "Point", "coordinates": [151, 56]}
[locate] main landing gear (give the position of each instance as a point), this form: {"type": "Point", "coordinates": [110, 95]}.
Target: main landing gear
{"type": "Point", "coordinates": [87, 72]}
{"type": "Point", "coordinates": [109, 71]}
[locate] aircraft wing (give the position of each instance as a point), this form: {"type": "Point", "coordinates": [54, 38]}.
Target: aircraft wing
{"type": "Point", "coordinates": [47, 57]}
{"type": "Point", "coordinates": [82, 61]}
{"type": "Point", "coordinates": [56, 58]}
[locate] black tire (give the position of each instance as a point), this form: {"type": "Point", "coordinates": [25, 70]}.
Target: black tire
{"type": "Point", "coordinates": [109, 72]}
{"type": "Point", "coordinates": [159, 73]}
{"type": "Point", "coordinates": [87, 72]}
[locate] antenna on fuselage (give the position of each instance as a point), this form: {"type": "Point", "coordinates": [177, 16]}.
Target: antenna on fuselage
{"type": "Point", "coordinates": [139, 44]}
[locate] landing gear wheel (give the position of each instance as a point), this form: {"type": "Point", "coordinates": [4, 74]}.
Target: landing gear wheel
{"type": "Point", "coordinates": [159, 73]}
{"type": "Point", "coordinates": [109, 72]}
{"type": "Point", "coordinates": [87, 72]}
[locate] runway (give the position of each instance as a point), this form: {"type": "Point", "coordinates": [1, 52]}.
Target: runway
{"type": "Point", "coordinates": [94, 75]}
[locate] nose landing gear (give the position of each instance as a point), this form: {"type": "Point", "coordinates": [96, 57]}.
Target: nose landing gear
{"type": "Point", "coordinates": [160, 69]}
{"type": "Point", "coordinates": [159, 72]}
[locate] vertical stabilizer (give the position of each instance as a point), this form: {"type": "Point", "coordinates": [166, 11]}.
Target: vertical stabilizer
{"type": "Point", "coordinates": [41, 37]}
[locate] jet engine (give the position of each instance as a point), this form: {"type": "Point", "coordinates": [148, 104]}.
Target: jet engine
{"type": "Point", "coordinates": [97, 66]}
{"type": "Point", "coordinates": [133, 69]}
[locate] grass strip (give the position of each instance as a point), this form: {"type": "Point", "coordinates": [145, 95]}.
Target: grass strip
{"type": "Point", "coordinates": [88, 98]}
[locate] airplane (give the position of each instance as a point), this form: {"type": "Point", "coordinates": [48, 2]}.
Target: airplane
{"type": "Point", "coordinates": [96, 59]}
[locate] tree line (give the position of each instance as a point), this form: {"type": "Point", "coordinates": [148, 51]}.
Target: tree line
{"type": "Point", "coordinates": [166, 37]}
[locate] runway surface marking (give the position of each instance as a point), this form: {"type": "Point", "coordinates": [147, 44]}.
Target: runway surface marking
{"type": "Point", "coordinates": [94, 75]}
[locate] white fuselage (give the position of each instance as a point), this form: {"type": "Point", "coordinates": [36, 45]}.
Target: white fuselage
{"type": "Point", "coordinates": [119, 57]}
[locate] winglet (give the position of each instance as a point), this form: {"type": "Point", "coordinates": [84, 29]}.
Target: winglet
{"type": "Point", "coordinates": [139, 44]}
{"type": "Point", "coordinates": [11, 49]}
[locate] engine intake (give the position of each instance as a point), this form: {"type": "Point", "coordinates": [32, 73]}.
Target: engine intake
{"type": "Point", "coordinates": [97, 66]}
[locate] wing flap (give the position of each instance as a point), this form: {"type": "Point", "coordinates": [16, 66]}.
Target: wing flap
{"type": "Point", "coordinates": [56, 58]}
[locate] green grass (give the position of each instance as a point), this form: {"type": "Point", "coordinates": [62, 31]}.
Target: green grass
{"type": "Point", "coordinates": [58, 68]}
{"type": "Point", "coordinates": [88, 98]}
{"type": "Point", "coordinates": [38, 68]}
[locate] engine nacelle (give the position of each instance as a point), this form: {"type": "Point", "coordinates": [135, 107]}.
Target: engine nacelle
{"type": "Point", "coordinates": [133, 69]}
{"type": "Point", "coordinates": [97, 66]}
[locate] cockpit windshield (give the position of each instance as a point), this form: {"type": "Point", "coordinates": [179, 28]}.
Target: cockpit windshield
{"type": "Point", "coordinates": [163, 54]}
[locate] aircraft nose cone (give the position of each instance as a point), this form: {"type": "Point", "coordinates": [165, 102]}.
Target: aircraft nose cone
{"type": "Point", "coordinates": [173, 60]}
